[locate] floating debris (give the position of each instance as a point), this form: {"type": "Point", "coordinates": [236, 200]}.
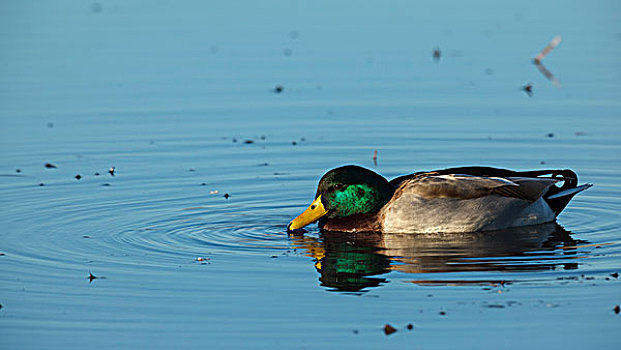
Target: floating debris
{"type": "Point", "coordinates": [528, 89]}
{"type": "Point", "coordinates": [615, 275]}
{"type": "Point", "coordinates": [442, 313]}
{"type": "Point", "coordinates": [294, 143]}
{"type": "Point", "coordinates": [375, 157]}
{"type": "Point", "coordinates": [18, 170]}
{"type": "Point", "coordinates": [537, 60]}
{"type": "Point", "coordinates": [203, 261]}
{"type": "Point", "coordinates": [91, 277]}
{"type": "Point", "coordinates": [50, 166]}
{"type": "Point", "coordinates": [546, 73]}
{"type": "Point", "coordinates": [111, 170]}
{"type": "Point", "coordinates": [388, 329]}
{"type": "Point", "coordinates": [214, 192]}
{"type": "Point", "coordinates": [191, 170]}
{"type": "Point", "coordinates": [410, 327]}
{"type": "Point", "coordinates": [555, 41]}
{"type": "Point", "coordinates": [248, 142]}
{"type": "Point", "coordinates": [105, 185]}
{"type": "Point", "coordinates": [41, 184]}
{"type": "Point", "coordinates": [78, 177]}
{"type": "Point", "coordinates": [203, 184]}
{"type": "Point", "coordinates": [617, 309]}
{"type": "Point", "coordinates": [226, 196]}
{"type": "Point", "coordinates": [96, 174]}
{"type": "Point", "coordinates": [436, 54]}
{"type": "Point", "coordinates": [550, 135]}
{"type": "Point", "coordinates": [278, 89]}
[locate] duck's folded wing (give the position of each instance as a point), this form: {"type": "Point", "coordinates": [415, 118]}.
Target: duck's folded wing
{"type": "Point", "coordinates": [469, 187]}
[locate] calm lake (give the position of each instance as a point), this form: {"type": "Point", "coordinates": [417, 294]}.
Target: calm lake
{"type": "Point", "coordinates": [199, 129]}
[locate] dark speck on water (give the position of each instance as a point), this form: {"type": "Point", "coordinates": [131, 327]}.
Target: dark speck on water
{"type": "Point", "coordinates": [388, 329]}
{"type": "Point", "coordinates": [550, 135]}
{"type": "Point", "coordinates": [91, 277]}
{"type": "Point", "coordinates": [614, 274]}
{"type": "Point", "coordinates": [226, 196]}
{"type": "Point", "coordinates": [436, 54]}
{"type": "Point", "coordinates": [410, 326]}
{"type": "Point", "coordinates": [528, 89]}
{"type": "Point", "coordinates": [248, 142]}
{"type": "Point", "coordinates": [50, 166]}
{"type": "Point", "coordinates": [617, 309]}
{"type": "Point", "coordinates": [278, 89]}
{"type": "Point", "coordinates": [78, 177]}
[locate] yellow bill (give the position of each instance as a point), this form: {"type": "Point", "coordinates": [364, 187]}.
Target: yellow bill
{"type": "Point", "coordinates": [311, 214]}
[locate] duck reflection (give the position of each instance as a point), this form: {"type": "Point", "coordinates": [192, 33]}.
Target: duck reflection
{"type": "Point", "coordinates": [352, 262]}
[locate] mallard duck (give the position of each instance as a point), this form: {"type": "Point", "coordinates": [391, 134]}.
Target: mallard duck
{"type": "Point", "coordinates": [467, 199]}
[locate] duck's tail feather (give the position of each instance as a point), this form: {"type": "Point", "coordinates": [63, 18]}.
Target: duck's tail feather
{"type": "Point", "coordinates": [558, 197]}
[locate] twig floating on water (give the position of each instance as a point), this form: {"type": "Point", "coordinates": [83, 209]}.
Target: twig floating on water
{"type": "Point", "coordinates": [555, 41]}
{"type": "Point", "coordinates": [546, 73]}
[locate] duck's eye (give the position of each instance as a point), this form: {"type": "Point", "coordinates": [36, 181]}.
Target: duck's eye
{"type": "Point", "coordinates": [338, 186]}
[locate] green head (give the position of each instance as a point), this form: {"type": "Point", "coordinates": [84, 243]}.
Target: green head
{"type": "Point", "coordinates": [351, 190]}
{"type": "Point", "coordinates": [343, 192]}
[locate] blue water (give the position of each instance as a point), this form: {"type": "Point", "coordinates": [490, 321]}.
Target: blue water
{"type": "Point", "coordinates": [180, 99]}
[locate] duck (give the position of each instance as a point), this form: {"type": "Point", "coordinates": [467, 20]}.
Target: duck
{"type": "Point", "coordinates": [352, 198]}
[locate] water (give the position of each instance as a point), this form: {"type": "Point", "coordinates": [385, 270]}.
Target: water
{"type": "Point", "coordinates": [180, 100]}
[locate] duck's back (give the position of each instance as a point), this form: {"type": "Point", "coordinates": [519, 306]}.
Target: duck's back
{"type": "Point", "coordinates": [463, 203]}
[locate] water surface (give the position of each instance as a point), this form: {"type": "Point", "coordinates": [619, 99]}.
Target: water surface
{"type": "Point", "coordinates": [180, 99]}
